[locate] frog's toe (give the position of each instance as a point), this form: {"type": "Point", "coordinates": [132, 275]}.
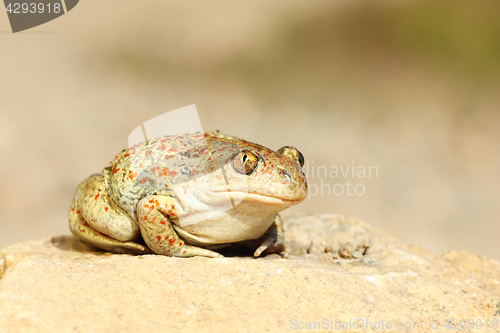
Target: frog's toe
{"type": "Point", "coordinates": [264, 246]}
{"type": "Point", "coordinates": [271, 245]}
{"type": "Point", "coordinates": [192, 251]}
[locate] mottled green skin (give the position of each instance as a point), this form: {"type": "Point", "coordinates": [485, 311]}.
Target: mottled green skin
{"type": "Point", "coordinates": [185, 197]}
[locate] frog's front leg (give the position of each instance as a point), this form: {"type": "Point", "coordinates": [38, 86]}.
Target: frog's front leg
{"type": "Point", "coordinates": [154, 215]}
{"type": "Point", "coordinates": [273, 240]}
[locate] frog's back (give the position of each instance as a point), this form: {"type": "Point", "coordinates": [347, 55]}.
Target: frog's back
{"type": "Point", "coordinates": [148, 168]}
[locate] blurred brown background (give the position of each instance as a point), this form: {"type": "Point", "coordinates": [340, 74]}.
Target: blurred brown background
{"type": "Point", "coordinates": [411, 87]}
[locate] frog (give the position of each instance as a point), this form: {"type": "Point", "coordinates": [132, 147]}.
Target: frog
{"type": "Point", "coordinates": [190, 195]}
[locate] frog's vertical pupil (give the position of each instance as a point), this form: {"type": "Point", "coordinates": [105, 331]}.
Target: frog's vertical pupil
{"type": "Point", "coordinates": [245, 162]}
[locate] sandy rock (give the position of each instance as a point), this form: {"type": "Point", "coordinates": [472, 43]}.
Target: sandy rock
{"type": "Point", "coordinates": [341, 272]}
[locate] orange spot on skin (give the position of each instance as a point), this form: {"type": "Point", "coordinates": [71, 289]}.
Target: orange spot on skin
{"type": "Point", "coordinates": [78, 212]}
{"type": "Point", "coordinates": [106, 208]}
{"type": "Point", "coordinates": [126, 155]}
{"type": "Point", "coordinates": [171, 241]}
{"type": "Point", "coordinates": [96, 196]}
{"type": "Point", "coordinates": [86, 224]}
{"type": "Point", "coordinates": [158, 238]}
{"type": "Point", "coordinates": [167, 237]}
{"type": "Point", "coordinates": [184, 251]}
{"type": "Point", "coordinates": [180, 243]}
{"type": "Point", "coordinates": [162, 222]}
{"type": "Point", "coordinates": [171, 173]}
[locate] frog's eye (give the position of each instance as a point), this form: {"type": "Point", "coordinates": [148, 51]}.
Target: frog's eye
{"type": "Point", "coordinates": [293, 153]}
{"type": "Point", "coordinates": [245, 162]}
{"type": "Point", "coordinates": [301, 159]}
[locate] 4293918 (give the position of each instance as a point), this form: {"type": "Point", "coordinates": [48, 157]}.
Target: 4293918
{"type": "Point", "coordinates": [23, 8]}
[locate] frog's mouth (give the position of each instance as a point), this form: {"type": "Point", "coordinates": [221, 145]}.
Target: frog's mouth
{"type": "Point", "coordinates": [244, 197]}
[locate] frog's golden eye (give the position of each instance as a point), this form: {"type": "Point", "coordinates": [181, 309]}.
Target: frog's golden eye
{"type": "Point", "coordinates": [293, 153]}
{"type": "Point", "coordinates": [245, 162]}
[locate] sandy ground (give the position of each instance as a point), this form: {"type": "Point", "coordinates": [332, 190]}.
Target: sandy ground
{"type": "Point", "coordinates": [278, 74]}
{"type": "Point", "coordinates": [46, 285]}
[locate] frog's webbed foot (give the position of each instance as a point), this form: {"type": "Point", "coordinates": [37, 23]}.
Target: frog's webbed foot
{"type": "Point", "coordinates": [154, 215]}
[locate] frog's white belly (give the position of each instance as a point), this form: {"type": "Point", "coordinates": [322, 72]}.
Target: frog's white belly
{"type": "Point", "coordinates": [214, 215]}
{"type": "Point", "coordinates": [248, 220]}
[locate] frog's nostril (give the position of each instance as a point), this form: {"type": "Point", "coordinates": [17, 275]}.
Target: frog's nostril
{"type": "Point", "coordinates": [286, 175]}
